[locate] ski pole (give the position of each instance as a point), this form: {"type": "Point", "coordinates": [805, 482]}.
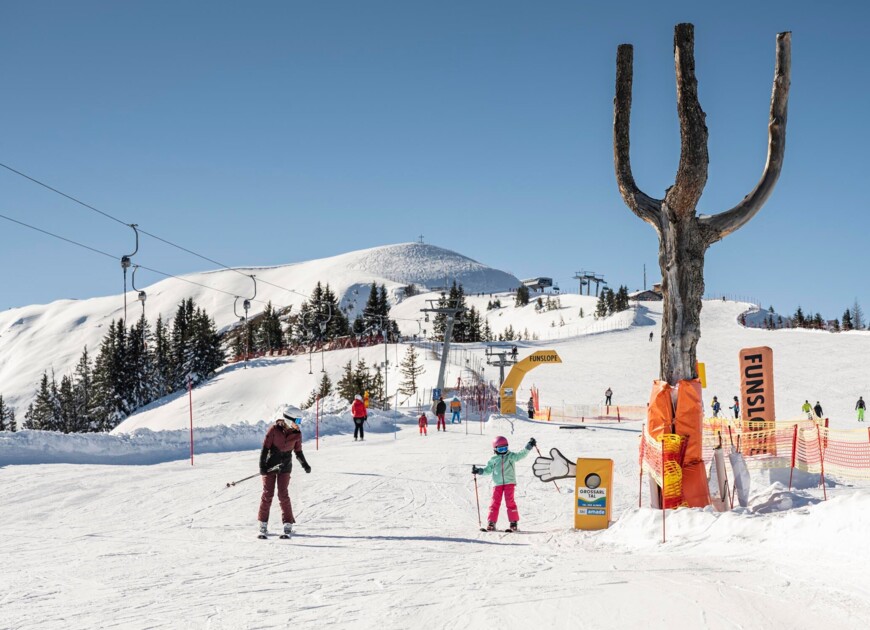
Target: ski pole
{"type": "Point", "coordinates": [554, 481]}
{"type": "Point", "coordinates": [272, 469]}
{"type": "Point", "coordinates": [477, 498]}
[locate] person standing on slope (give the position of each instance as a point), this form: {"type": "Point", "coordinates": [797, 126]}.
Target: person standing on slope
{"type": "Point", "coordinates": [716, 407]}
{"type": "Point", "coordinates": [502, 467]}
{"type": "Point", "coordinates": [360, 415]}
{"type": "Point", "coordinates": [456, 410]}
{"type": "Point", "coordinates": [440, 410]}
{"type": "Point", "coordinates": [283, 439]}
{"type": "Point", "coordinates": [860, 406]}
{"type": "Point", "coordinates": [423, 423]}
{"type": "Point", "coordinates": [818, 409]}
{"type": "Point", "coordinates": [607, 396]}
{"type": "Point", "coordinates": [807, 409]}
{"type": "Point", "coordinates": [736, 408]}
{"type": "Point", "coordinates": [531, 407]}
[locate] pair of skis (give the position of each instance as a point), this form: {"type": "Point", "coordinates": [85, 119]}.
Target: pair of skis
{"type": "Point", "coordinates": [266, 536]}
{"type": "Point", "coordinates": [507, 531]}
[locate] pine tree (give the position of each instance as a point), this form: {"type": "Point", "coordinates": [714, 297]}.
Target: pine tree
{"type": "Point", "coordinates": [204, 352]}
{"type": "Point", "coordinates": [42, 414]}
{"type": "Point", "coordinates": [857, 316]}
{"type": "Point", "coordinates": [847, 320]}
{"type": "Point", "coordinates": [486, 333]}
{"type": "Point", "coordinates": [270, 336]}
{"type": "Point", "coordinates": [7, 416]}
{"type": "Point", "coordinates": [609, 300]}
{"type": "Point", "coordinates": [601, 306]}
{"type": "Point", "coordinates": [376, 387]}
{"type": "Point", "coordinates": [162, 356]}
{"type": "Point", "coordinates": [522, 296]}
{"type": "Point", "coordinates": [799, 319]}
{"type": "Point", "coordinates": [621, 299]}
{"type": "Point", "coordinates": [140, 364]}
{"type": "Point", "coordinates": [509, 334]}
{"type": "Point", "coordinates": [411, 370]}
{"type": "Point", "coordinates": [83, 394]}
{"type": "Point", "coordinates": [67, 420]}
{"type": "Point", "coordinates": [345, 386]}
{"type": "Point", "coordinates": [322, 391]}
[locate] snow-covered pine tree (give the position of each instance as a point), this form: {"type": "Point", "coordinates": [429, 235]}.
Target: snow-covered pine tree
{"type": "Point", "coordinates": [205, 353]}
{"type": "Point", "coordinates": [7, 416]}
{"type": "Point", "coordinates": [601, 305]}
{"type": "Point", "coordinates": [411, 369]}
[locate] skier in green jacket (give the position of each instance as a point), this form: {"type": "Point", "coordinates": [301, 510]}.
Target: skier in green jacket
{"type": "Point", "coordinates": [504, 477]}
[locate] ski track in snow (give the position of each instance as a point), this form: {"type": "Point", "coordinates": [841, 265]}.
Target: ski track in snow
{"type": "Point", "coordinates": [387, 537]}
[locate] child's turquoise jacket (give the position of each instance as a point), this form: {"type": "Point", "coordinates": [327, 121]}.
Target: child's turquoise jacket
{"type": "Point", "coordinates": [502, 467]}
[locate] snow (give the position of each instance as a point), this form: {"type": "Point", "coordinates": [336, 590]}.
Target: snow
{"type": "Point", "coordinates": [39, 338]}
{"type": "Point", "coordinates": [121, 531]}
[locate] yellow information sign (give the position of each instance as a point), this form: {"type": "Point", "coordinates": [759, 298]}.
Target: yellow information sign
{"type": "Point", "coordinates": [593, 493]}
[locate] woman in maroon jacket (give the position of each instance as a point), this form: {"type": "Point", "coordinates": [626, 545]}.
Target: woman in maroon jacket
{"type": "Point", "coordinates": [283, 439]}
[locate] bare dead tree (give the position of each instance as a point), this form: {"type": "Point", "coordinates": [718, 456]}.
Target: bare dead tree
{"type": "Point", "coordinates": [684, 236]}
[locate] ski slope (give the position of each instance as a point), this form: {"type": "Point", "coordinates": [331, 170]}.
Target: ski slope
{"type": "Point", "coordinates": [387, 537]}
{"type": "Point", "coordinates": [120, 531]}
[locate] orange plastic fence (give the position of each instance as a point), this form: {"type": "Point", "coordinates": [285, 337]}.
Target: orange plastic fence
{"type": "Point", "coordinates": [801, 444]}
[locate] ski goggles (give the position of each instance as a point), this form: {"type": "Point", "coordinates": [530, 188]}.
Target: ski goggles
{"type": "Point", "coordinates": [501, 450]}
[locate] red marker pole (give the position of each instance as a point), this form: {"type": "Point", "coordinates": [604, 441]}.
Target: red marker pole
{"type": "Point", "coordinates": [190, 398]}
{"type": "Point", "coordinates": [317, 426]}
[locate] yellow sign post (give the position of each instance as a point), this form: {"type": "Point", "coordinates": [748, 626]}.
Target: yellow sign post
{"type": "Point", "coordinates": [593, 494]}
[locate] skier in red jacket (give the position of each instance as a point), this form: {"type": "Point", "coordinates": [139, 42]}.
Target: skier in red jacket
{"type": "Point", "coordinates": [423, 423]}
{"type": "Point", "coordinates": [360, 415]}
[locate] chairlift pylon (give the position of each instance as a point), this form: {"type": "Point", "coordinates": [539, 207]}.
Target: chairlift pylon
{"type": "Point", "coordinates": [246, 305]}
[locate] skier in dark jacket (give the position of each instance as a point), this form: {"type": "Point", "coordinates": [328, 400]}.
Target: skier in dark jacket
{"type": "Point", "coordinates": [818, 410]}
{"type": "Point", "coordinates": [283, 439]}
{"type": "Point", "coordinates": [440, 410]}
{"type": "Point", "coordinates": [860, 406]}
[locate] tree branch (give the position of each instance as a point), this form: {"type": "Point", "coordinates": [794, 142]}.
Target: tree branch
{"type": "Point", "coordinates": [692, 171]}
{"type": "Point", "coordinates": [721, 225]}
{"type": "Point", "coordinates": [640, 203]}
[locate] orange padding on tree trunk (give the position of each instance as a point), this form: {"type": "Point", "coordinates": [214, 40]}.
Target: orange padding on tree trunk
{"type": "Point", "coordinates": [690, 424]}
{"type": "Point", "coordinates": [660, 412]}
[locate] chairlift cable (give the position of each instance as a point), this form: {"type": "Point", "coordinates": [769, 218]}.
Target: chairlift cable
{"type": "Point", "coordinates": [116, 219]}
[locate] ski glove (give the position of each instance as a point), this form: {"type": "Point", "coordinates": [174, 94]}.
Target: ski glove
{"type": "Point", "coordinates": [301, 457]}
{"type": "Point", "coordinates": [531, 444]}
{"type": "Point", "coordinates": [264, 456]}
{"type": "Point", "coordinates": [475, 470]}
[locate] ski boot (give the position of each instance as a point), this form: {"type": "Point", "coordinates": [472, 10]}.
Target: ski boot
{"type": "Point", "coordinates": [262, 529]}
{"type": "Point", "coordinates": [288, 529]}
{"type": "Point", "coordinates": [490, 527]}
{"type": "Point", "coordinates": [513, 527]}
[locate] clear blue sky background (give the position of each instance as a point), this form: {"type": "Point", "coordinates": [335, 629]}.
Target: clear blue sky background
{"type": "Point", "coordinates": [273, 132]}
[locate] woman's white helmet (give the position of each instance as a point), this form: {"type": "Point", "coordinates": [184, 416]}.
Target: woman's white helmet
{"type": "Point", "coordinates": [357, 397]}
{"type": "Point", "coordinates": [292, 413]}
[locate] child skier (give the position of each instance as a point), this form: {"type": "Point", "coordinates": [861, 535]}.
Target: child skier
{"type": "Point", "coordinates": [736, 408]}
{"type": "Point", "coordinates": [423, 423]}
{"type": "Point", "coordinates": [504, 478]}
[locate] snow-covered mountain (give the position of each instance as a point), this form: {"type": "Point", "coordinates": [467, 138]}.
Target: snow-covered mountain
{"type": "Point", "coordinates": [51, 336]}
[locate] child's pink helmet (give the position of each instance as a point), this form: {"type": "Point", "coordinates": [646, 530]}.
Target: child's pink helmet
{"type": "Point", "coordinates": [500, 444]}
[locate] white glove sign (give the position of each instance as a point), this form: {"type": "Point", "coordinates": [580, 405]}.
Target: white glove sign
{"type": "Point", "coordinates": [556, 466]}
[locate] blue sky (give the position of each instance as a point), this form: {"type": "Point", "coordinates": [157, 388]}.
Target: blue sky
{"type": "Point", "coordinates": [274, 132]}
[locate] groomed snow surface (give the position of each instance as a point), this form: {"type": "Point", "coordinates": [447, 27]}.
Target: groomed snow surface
{"type": "Point", "coordinates": [120, 531]}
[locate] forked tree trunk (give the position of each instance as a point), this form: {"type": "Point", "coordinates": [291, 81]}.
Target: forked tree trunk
{"type": "Point", "coordinates": [684, 236]}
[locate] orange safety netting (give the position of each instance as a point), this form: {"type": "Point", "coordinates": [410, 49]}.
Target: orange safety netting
{"type": "Point", "coordinates": [801, 443]}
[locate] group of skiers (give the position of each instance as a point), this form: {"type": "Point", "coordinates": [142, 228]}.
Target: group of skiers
{"type": "Point", "coordinates": [283, 441]}
{"type": "Point", "coordinates": [717, 407]}
{"type": "Point", "coordinates": [439, 408]}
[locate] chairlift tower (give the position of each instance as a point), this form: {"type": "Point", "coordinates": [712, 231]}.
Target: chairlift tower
{"type": "Point", "coordinates": [501, 355]}
{"type": "Point", "coordinates": [451, 311]}
{"type": "Point", "coordinates": [587, 278]}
